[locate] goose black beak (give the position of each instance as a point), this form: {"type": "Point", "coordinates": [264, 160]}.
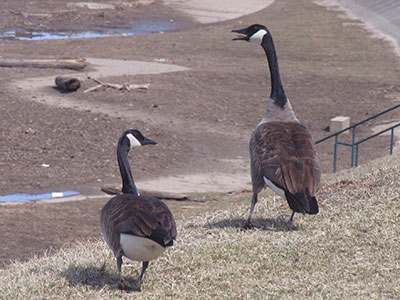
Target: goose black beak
{"type": "Point", "coordinates": [243, 35]}
{"type": "Point", "coordinates": [148, 141]}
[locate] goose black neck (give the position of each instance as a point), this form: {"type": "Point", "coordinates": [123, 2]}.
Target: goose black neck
{"type": "Point", "coordinates": [128, 184]}
{"type": "Point", "coordinates": [277, 91]}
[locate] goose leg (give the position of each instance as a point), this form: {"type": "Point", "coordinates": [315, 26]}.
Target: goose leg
{"type": "Point", "coordinates": [291, 217]}
{"type": "Point", "coordinates": [119, 264]}
{"type": "Point", "coordinates": [135, 285]}
{"type": "Point", "coordinates": [249, 224]}
{"type": "Point", "coordinates": [138, 281]}
{"type": "Point", "coordinates": [122, 284]}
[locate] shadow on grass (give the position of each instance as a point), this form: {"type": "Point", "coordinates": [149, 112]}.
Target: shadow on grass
{"type": "Point", "coordinates": [93, 276]}
{"type": "Point", "coordinates": [279, 224]}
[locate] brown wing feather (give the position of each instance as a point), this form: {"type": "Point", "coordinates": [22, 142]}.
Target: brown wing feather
{"type": "Point", "coordinates": [141, 216]}
{"type": "Point", "coordinates": [285, 154]}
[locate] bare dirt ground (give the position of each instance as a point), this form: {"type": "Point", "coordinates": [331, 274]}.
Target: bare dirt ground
{"type": "Point", "coordinates": [201, 118]}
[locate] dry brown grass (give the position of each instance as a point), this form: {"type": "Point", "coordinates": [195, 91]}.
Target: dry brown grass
{"type": "Point", "coordinates": [351, 250]}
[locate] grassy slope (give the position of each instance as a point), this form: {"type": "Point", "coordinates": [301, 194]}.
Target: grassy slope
{"type": "Point", "coordinates": [349, 251]}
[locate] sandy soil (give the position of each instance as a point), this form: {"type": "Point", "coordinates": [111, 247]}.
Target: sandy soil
{"type": "Point", "coordinates": [211, 11]}
{"type": "Point", "coordinates": [201, 117]}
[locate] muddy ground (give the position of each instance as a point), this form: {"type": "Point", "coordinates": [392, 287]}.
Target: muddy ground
{"type": "Point", "coordinates": [201, 118]}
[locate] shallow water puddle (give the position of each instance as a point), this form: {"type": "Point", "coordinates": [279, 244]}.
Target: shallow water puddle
{"type": "Point", "coordinates": [92, 32]}
{"type": "Point", "coordinates": [29, 197]}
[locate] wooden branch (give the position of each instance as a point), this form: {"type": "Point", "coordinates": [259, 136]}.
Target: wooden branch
{"type": "Point", "coordinates": [53, 64]}
{"type": "Point", "coordinates": [111, 190]}
{"type": "Point", "coordinates": [68, 84]}
{"type": "Point", "coordinates": [127, 86]}
{"type": "Point", "coordinates": [164, 195]}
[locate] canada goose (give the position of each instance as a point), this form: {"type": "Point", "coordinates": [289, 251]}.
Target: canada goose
{"type": "Point", "coordinates": [137, 227]}
{"type": "Point", "coordinates": [282, 150]}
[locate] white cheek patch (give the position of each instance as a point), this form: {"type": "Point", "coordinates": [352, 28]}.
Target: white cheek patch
{"type": "Point", "coordinates": [258, 36]}
{"type": "Point", "coordinates": [273, 187]}
{"type": "Point", "coordinates": [134, 142]}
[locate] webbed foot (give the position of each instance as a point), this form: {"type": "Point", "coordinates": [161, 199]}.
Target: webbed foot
{"type": "Point", "coordinates": [129, 285]}
{"type": "Point", "coordinates": [248, 225]}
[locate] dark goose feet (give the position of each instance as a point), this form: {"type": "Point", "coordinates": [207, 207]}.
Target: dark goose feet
{"type": "Point", "coordinates": [129, 285]}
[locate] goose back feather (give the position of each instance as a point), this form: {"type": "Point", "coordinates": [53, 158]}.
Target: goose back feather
{"type": "Point", "coordinates": [284, 154]}
{"type": "Point", "coordinates": [140, 216]}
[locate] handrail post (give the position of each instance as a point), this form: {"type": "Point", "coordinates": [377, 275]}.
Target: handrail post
{"type": "Point", "coordinates": [357, 155]}
{"type": "Point", "coordinates": [355, 144]}
{"type": "Point", "coordinates": [352, 146]}
{"type": "Point", "coordinates": [335, 153]}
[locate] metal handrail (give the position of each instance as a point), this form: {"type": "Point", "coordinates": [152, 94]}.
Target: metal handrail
{"type": "Point", "coordinates": [354, 145]}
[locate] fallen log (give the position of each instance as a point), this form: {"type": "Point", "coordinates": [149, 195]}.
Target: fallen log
{"type": "Point", "coordinates": [41, 64]}
{"type": "Point", "coordinates": [68, 84]}
{"type": "Point", "coordinates": [111, 190]}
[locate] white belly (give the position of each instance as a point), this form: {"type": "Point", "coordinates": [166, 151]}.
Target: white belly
{"type": "Point", "coordinates": [139, 248]}
{"type": "Point", "coordinates": [273, 187]}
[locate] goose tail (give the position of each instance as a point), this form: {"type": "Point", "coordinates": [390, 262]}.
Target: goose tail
{"type": "Point", "coordinates": [302, 202]}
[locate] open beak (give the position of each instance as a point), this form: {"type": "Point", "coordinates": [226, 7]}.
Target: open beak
{"type": "Point", "coordinates": [242, 36]}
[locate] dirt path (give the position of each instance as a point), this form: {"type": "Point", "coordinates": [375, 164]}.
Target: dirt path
{"type": "Point", "coordinates": [41, 90]}
{"type": "Point", "coordinates": [207, 141]}
{"type": "Point", "coordinates": [211, 11]}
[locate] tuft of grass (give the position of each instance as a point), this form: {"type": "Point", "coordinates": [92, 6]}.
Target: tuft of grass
{"type": "Point", "coordinates": [348, 251]}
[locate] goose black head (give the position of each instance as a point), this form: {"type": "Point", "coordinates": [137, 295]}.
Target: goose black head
{"type": "Point", "coordinates": [136, 138]}
{"type": "Point", "coordinates": [253, 33]}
